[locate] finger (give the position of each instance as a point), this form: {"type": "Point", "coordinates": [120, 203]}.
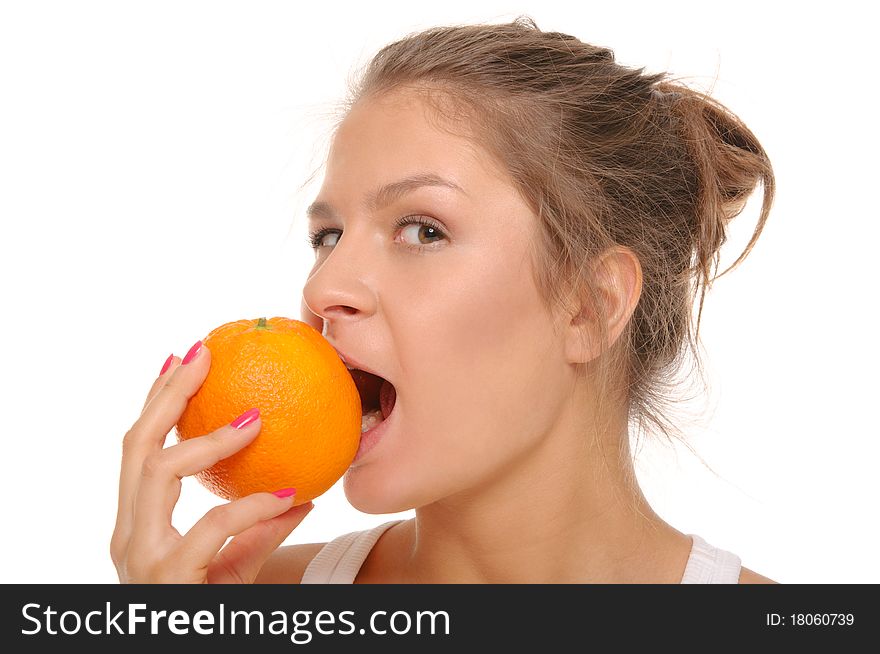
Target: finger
{"type": "Point", "coordinates": [122, 528]}
{"type": "Point", "coordinates": [243, 557]}
{"type": "Point", "coordinates": [159, 487]}
{"type": "Point", "coordinates": [147, 434]}
{"type": "Point", "coordinates": [203, 541]}
{"type": "Point", "coordinates": [168, 404]}
{"type": "Point", "coordinates": [167, 370]}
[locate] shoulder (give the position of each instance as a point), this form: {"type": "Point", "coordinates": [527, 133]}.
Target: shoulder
{"type": "Point", "coordinates": [287, 564]}
{"type": "Point", "coordinates": [747, 576]}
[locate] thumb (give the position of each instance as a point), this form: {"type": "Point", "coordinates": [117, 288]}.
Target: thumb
{"type": "Point", "coordinates": [242, 558]}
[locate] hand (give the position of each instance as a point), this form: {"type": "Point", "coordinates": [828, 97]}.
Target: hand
{"type": "Point", "coordinates": [145, 546]}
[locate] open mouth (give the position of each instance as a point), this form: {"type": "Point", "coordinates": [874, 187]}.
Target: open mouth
{"type": "Point", "coordinates": [378, 397]}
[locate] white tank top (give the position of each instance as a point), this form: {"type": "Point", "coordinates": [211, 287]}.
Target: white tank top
{"type": "Point", "coordinates": [340, 560]}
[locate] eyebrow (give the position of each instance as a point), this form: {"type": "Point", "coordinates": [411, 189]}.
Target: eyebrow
{"type": "Point", "coordinates": [387, 194]}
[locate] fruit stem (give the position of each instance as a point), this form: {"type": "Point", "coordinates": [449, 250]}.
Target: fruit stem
{"type": "Point", "coordinates": [261, 324]}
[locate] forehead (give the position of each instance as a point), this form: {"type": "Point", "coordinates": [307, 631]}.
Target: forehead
{"type": "Point", "coordinates": [393, 134]}
{"type": "Point", "coordinates": [417, 105]}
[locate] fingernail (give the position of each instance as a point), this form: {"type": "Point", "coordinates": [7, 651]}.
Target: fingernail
{"type": "Point", "coordinates": [167, 364]}
{"type": "Point", "coordinates": [284, 492]}
{"type": "Point", "coordinates": [245, 418]}
{"type": "Point", "coordinates": [193, 351]}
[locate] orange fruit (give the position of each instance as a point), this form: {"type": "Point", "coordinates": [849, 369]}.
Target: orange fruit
{"type": "Point", "coordinates": [309, 406]}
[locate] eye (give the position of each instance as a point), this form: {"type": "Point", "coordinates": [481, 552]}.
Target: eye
{"type": "Point", "coordinates": [422, 229]}
{"type": "Point", "coordinates": [316, 238]}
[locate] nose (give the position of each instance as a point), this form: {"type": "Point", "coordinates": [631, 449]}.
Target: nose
{"type": "Point", "coordinates": [339, 289]}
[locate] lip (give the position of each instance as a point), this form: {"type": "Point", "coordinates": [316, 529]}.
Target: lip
{"type": "Point", "coordinates": [349, 361]}
{"type": "Point", "coordinates": [371, 437]}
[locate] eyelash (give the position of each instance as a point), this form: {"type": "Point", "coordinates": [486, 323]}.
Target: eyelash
{"type": "Point", "coordinates": [314, 238]}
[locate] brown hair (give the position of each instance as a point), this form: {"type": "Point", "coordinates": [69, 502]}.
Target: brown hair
{"type": "Point", "coordinates": [606, 156]}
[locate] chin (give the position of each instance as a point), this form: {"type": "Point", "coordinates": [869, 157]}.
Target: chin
{"type": "Point", "coordinates": [374, 493]}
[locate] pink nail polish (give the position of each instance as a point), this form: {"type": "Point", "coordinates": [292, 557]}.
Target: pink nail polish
{"type": "Point", "coordinates": [167, 364]}
{"type": "Point", "coordinates": [245, 418]}
{"type": "Point", "coordinates": [284, 492]}
{"type": "Point", "coordinates": [193, 351]}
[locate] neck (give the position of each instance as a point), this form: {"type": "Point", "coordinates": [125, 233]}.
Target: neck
{"type": "Point", "coordinates": [569, 511]}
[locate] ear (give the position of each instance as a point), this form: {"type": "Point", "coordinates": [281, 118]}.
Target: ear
{"type": "Point", "coordinates": [617, 276]}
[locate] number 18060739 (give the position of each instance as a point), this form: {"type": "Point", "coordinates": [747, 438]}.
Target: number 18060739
{"type": "Point", "coordinates": [810, 619]}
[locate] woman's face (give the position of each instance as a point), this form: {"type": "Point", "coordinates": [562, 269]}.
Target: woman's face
{"type": "Point", "coordinates": [450, 315]}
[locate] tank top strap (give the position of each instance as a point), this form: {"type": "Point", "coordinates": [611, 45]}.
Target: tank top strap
{"type": "Point", "coordinates": [340, 560]}
{"type": "Point", "coordinates": [708, 564]}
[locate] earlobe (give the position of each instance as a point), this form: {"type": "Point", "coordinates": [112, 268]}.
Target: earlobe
{"type": "Point", "coordinates": [616, 276]}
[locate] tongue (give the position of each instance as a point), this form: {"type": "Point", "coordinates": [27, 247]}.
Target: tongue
{"type": "Point", "coordinates": [387, 398]}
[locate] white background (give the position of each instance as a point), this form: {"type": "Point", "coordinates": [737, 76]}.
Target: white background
{"type": "Point", "coordinates": [151, 158]}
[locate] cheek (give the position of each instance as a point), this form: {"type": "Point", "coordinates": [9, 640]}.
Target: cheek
{"type": "Point", "coordinates": [486, 352]}
{"type": "Point", "coordinates": [495, 320]}
{"type": "Point", "coordinates": [483, 382]}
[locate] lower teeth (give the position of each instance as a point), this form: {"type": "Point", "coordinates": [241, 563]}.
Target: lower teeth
{"type": "Point", "coordinates": [370, 420]}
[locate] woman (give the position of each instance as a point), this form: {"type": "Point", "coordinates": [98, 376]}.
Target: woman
{"type": "Point", "coordinates": [511, 230]}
